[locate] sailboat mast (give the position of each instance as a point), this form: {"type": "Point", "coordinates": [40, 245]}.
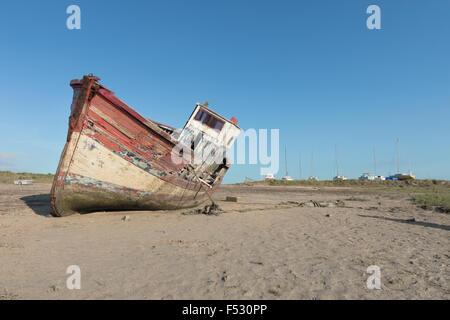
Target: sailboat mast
{"type": "Point", "coordinates": [398, 160]}
{"type": "Point", "coordinates": [299, 166]}
{"type": "Point", "coordinates": [285, 159]}
{"type": "Point", "coordinates": [374, 162]}
{"type": "Point", "coordinates": [337, 162]}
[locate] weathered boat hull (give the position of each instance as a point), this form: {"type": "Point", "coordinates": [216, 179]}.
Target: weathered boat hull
{"type": "Point", "coordinates": [115, 159]}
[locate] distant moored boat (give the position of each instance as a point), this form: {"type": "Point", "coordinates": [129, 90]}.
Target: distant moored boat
{"type": "Point", "coordinates": [21, 182]}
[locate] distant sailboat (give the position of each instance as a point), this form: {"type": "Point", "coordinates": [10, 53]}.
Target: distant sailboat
{"type": "Point", "coordinates": [286, 176]}
{"type": "Point", "coordinates": [312, 177]}
{"type": "Point", "coordinates": [376, 177]}
{"type": "Point", "coordinates": [269, 177]}
{"type": "Point", "coordinates": [299, 166]}
{"type": "Point", "coordinates": [402, 176]}
{"type": "Point", "coordinates": [368, 176]}
{"type": "Point", "coordinates": [338, 176]}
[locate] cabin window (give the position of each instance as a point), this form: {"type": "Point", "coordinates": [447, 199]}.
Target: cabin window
{"type": "Point", "coordinates": [203, 116]}
{"type": "Point", "coordinates": [209, 120]}
{"type": "Point", "coordinates": [217, 124]}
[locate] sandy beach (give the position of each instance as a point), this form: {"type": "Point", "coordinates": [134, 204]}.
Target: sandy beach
{"type": "Point", "coordinates": [274, 243]}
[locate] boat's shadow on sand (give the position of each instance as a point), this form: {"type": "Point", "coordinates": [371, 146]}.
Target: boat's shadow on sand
{"type": "Point", "coordinates": [417, 223]}
{"type": "Point", "coordinates": [39, 203]}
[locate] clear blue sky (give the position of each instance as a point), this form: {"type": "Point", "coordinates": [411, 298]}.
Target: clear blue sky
{"type": "Point", "coordinates": [310, 68]}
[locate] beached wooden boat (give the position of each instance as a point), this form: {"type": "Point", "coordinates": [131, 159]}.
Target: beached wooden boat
{"type": "Point", "coordinates": [115, 159]}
